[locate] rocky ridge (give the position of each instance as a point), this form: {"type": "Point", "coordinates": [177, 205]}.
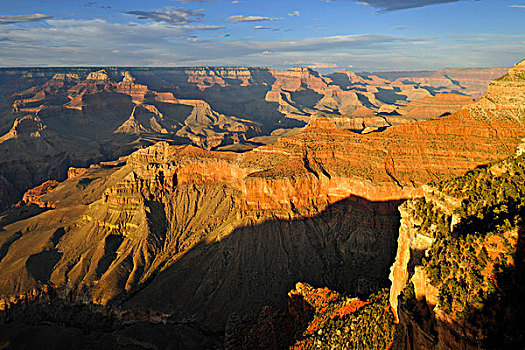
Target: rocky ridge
{"type": "Point", "coordinates": [363, 103]}
{"type": "Point", "coordinates": [469, 81]}
{"type": "Point", "coordinates": [437, 304]}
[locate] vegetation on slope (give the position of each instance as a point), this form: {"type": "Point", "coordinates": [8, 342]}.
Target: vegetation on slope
{"type": "Point", "coordinates": [317, 318]}
{"type": "Point", "coordinates": [475, 260]}
{"type": "Point", "coordinates": [343, 322]}
{"type": "Point", "coordinates": [464, 263]}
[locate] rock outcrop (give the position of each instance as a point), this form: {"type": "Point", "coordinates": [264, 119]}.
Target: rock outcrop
{"type": "Point", "coordinates": [30, 127]}
{"type": "Point", "coordinates": [459, 262]}
{"type": "Point", "coordinates": [33, 195]}
{"type": "Point", "coordinates": [316, 318]}
{"type": "Point", "coordinates": [448, 283]}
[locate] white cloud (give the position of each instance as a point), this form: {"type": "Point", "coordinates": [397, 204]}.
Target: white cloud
{"type": "Point", "coordinates": [169, 14]}
{"type": "Point", "coordinates": [23, 18]}
{"type": "Point", "coordinates": [96, 42]}
{"type": "Point", "coordinates": [243, 18]}
{"type": "Point", "coordinates": [322, 65]}
{"type": "Point", "coordinates": [99, 42]}
{"type": "Point", "coordinates": [320, 43]}
{"type": "Point", "coordinates": [294, 14]}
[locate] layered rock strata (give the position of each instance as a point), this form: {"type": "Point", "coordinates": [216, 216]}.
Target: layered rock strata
{"type": "Point", "coordinates": [196, 233]}
{"type": "Point", "coordinates": [78, 116]}
{"type": "Point", "coordinates": [457, 276]}
{"type": "Point", "coordinates": [70, 121]}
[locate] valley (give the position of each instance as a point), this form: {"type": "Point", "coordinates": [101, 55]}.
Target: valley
{"type": "Point", "coordinates": [189, 197]}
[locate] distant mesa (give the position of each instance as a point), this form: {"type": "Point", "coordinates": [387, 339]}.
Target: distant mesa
{"type": "Point", "coordinates": [99, 76]}
{"type": "Point", "coordinates": [69, 77]}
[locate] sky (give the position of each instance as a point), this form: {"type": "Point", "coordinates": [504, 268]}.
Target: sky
{"type": "Point", "coordinates": [371, 35]}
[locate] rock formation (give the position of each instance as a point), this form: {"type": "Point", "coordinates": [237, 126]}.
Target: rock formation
{"type": "Point", "coordinates": [33, 195]}
{"type": "Point", "coordinates": [448, 282]}
{"type": "Point", "coordinates": [200, 234]}
{"type": "Point", "coordinates": [458, 270]}
{"type": "Point", "coordinates": [316, 318]}
{"type": "Point", "coordinates": [303, 93]}
{"type": "Point", "coordinates": [469, 81]}
{"type": "Point", "coordinates": [69, 121]}
{"type": "Point", "coordinates": [431, 106]}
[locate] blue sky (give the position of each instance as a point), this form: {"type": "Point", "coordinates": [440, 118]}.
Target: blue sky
{"type": "Point", "coordinates": [368, 35]}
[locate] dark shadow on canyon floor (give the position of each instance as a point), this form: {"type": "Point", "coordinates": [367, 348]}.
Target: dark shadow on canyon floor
{"type": "Point", "coordinates": [349, 247]}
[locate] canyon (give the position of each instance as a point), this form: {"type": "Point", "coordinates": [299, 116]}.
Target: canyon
{"type": "Point", "coordinates": [200, 194]}
{"type": "Point", "coordinates": [52, 119]}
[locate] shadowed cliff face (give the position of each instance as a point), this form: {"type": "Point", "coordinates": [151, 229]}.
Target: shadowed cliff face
{"type": "Point", "coordinates": [47, 321]}
{"type": "Point", "coordinates": [346, 247]}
